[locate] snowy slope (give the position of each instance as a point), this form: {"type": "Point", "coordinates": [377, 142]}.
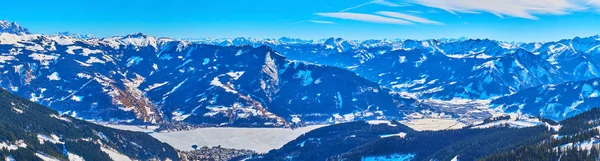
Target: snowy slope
{"type": "Point", "coordinates": [556, 102]}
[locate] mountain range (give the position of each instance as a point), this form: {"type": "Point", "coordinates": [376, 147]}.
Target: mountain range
{"type": "Point", "coordinates": [518, 101]}
{"type": "Point", "coordinates": [460, 69]}
{"type": "Point", "coordinates": [140, 79]}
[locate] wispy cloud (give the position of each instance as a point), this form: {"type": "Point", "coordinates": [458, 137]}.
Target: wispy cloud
{"type": "Point", "coordinates": [513, 8]}
{"type": "Point", "coordinates": [381, 2]}
{"type": "Point", "coordinates": [321, 22]}
{"type": "Point", "coordinates": [359, 6]}
{"type": "Point", "coordinates": [387, 3]}
{"type": "Point", "coordinates": [409, 18]}
{"type": "Point", "coordinates": [365, 18]}
{"type": "Point", "coordinates": [593, 3]}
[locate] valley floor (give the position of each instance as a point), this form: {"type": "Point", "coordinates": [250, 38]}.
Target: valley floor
{"type": "Point", "coordinates": [260, 140]}
{"type": "Point", "coordinates": [433, 124]}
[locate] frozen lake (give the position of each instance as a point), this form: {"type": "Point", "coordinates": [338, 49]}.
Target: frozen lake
{"type": "Point", "coordinates": [433, 124]}
{"type": "Point", "coordinates": [258, 139]}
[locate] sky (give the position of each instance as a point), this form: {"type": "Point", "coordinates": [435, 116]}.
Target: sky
{"type": "Point", "coordinates": [506, 20]}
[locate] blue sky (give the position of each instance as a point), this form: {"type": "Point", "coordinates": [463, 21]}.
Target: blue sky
{"type": "Point", "coordinates": [509, 20]}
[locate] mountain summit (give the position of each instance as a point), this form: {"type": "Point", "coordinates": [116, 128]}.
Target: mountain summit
{"type": "Point", "coordinates": [12, 28]}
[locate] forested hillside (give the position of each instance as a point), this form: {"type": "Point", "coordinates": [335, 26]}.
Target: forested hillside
{"type": "Point", "coordinates": [29, 131]}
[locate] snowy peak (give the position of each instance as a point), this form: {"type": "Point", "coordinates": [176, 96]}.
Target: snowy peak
{"type": "Point", "coordinates": [289, 40]}
{"type": "Point", "coordinates": [137, 35]}
{"type": "Point", "coordinates": [12, 28]}
{"type": "Point", "coordinates": [75, 35]}
{"type": "Point", "coordinates": [338, 44]}
{"type": "Point", "coordinates": [139, 40]}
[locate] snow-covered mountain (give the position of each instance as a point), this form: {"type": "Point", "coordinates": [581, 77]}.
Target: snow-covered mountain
{"type": "Point", "coordinates": [12, 28]}
{"type": "Point", "coordinates": [75, 35]}
{"type": "Point", "coordinates": [243, 81]}
{"type": "Point", "coordinates": [552, 101]}
{"type": "Point", "coordinates": [438, 76]}
{"type": "Point", "coordinates": [141, 79]}
{"type": "Point", "coordinates": [448, 69]}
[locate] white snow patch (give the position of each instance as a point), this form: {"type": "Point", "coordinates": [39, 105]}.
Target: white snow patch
{"type": "Point", "coordinates": [18, 144]}
{"type": "Point", "coordinates": [216, 82]}
{"type": "Point", "coordinates": [83, 75]}
{"type": "Point", "coordinates": [45, 157]}
{"type": "Point", "coordinates": [4, 58]}
{"type": "Point", "coordinates": [236, 75]}
{"type": "Point", "coordinates": [134, 60]}
{"type": "Point", "coordinates": [92, 60]}
{"type": "Point", "coordinates": [44, 59]}
{"type": "Point", "coordinates": [155, 85]}
{"type": "Point", "coordinates": [54, 76]}
{"type": "Point", "coordinates": [114, 155]}
{"type": "Point", "coordinates": [179, 115]}
{"type": "Point", "coordinates": [74, 157]}
{"type": "Point", "coordinates": [52, 138]}
{"type": "Point", "coordinates": [377, 122]}
{"type": "Point", "coordinates": [76, 98]}
{"type": "Point", "coordinates": [401, 135]}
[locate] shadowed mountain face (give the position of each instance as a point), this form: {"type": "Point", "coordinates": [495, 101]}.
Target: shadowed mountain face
{"type": "Point", "coordinates": [31, 131]}
{"type": "Point", "coordinates": [140, 79]}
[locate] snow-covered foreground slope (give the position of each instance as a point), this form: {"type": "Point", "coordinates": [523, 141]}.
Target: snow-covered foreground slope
{"type": "Point", "coordinates": [257, 139]}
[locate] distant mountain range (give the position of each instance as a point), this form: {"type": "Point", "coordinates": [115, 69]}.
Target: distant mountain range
{"type": "Point", "coordinates": [141, 79]}
{"type": "Point", "coordinates": [451, 69]}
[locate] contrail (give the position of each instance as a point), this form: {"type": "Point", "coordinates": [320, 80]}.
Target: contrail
{"type": "Point", "coordinates": [344, 10]}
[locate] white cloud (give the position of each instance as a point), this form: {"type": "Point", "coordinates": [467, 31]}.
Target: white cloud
{"type": "Point", "coordinates": [358, 6]}
{"type": "Point", "coordinates": [365, 18]}
{"type": "Point", "coordinates": [409, 18]}
{"type": "Point", "coordinates": [513, 8]}
{"type": "Point", "coordinates": [321, 22]}
{"type": "Point", "coordinates": [386, 3]}
{"type": "Point", "coordinates": [593, 3]}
